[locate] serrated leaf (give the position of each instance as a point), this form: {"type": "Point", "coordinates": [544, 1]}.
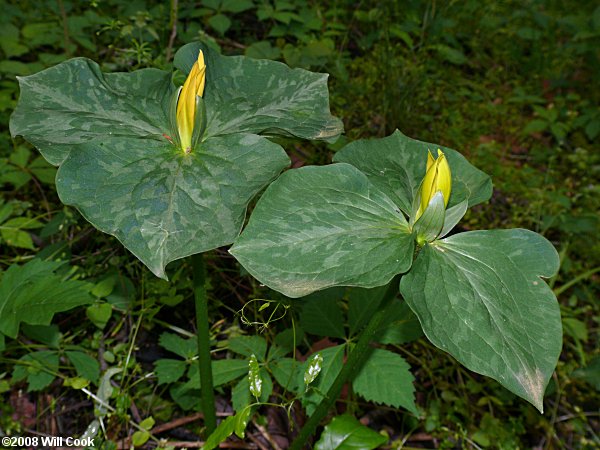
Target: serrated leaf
{"type": "Point", "coordinates": [169, 370]}
{"type": "Point", "coordinates": [186, 348]}
{"type": "Point", "coordinates": [33, 293]}
{"type": "Point", "coordinates": [396, 165]}
{"type": "Point", "coordinates": [346, 433]}
{"type": "Point", "coordinates": [321, 315]}
{"type": "Point", "coordinates": [262, 97]}
{"type": "Point", "coordinates": [249, 345]}
{"type": "Point", "coordinates": [385, 378]}
{"type": "Point", "coordinates": [479, 297]}
{"type": "Point", "coordinates": [86, 366]}
{"type": "Point", "coordinates": [340, 230]}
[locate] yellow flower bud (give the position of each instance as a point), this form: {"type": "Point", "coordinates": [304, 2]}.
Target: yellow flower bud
{"type": "Point", "coordinates": [186, 104]}
{"type": "Point", "coordinates": [437, 179]}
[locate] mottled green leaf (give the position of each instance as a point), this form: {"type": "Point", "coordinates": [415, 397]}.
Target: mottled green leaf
{"type": "Point", "coordinates": [396, 165]}
{"type": "Point", "coordinates": [161, 203]}
{"type": "Point", "coordinates": [339, 229]}
{"type": "Point", "coordinates": [346, 433]}
{"type": "Point", "coordinates": [110, 135]}
{"type": "Point", "coordinates": [33, 293]}
{"type": "Point", "coordinates": [385, 378]}
{"type": "Point", "coordinates": [263, 97]}
{"type": "Point", "coordinates": [75, 103]}
{"type": "Point", "coordinates": [479, 297]}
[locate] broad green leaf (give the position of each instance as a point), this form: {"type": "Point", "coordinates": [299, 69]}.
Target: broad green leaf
{"type": "Point", "coordinates": [385, 378]}
{"type": "Point", "coordinates": [38, 368]}
{"type": "Point", "coordinates": [169, 370]}
{"type": "Point", "coordinates": [245, 95]}
{"type": "Point", "coordinates": [346, 433]}
{"type": "Point", "coordinates": [317, 227]}
{"type": "Point", "coordinates": [321, 315]}
{"type": "Point", "coordinates": [75, 103]}
{"type": "Point", "coordinates": [396, 165]}
{"type": "Point", "coordinates": [86, 366]}
{"type": "Point", "coordinates": [333, 358]}
{"type": "Point", "coordinates": [249, 345]}
{"type": "Point", "coordinates": [480, 298]}
{"type": "Point", "coordinates": [46, 334]}
{"type": "Point", "coordinates": [161, 203]}
{"type": "Point", "coordinates": [110, 135]}
{"type": "Point", "coordinates": [186, 348]}
{"type": "Point", "coordinates": [33, 293]}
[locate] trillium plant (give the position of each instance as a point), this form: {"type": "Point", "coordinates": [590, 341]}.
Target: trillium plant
{"type": "Point", "coordinates": [170, 172]}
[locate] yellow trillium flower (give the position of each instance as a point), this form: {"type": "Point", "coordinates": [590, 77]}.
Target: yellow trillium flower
{"type": "Point", "coordinates": [437, 179]}
{"type": "Point", "coordinates": [186, 103]}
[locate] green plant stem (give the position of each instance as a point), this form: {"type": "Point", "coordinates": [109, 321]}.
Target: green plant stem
{"type": "Point", "coordinates": [206, 380]}
{"type": "Point", "coordinates": [356, 359]}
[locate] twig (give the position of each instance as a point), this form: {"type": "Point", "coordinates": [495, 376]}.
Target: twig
{"type": "Point", "coordinates": [267, 436]}
{"type": "Point", "coordinates": [63, 14]}
{"type": "Point", "coordinates": [173, 24]}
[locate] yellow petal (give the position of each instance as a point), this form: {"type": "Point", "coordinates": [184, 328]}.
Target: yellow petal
{"type": "Point", "coordinates": [444, 177]}
{"type": "Point", "coordinates": [186, 105]}
{"type": "Point", "coordinates": [430, 160]}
